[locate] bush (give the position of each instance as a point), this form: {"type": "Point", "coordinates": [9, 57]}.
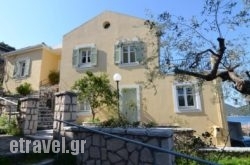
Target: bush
{"type": "Point", "coordinates": [9, 127]}
{"type": "Point", "coordinates": [24, 89]}
{"type": "Point", "coordinates": [115, 122]}
{"type": "Point", "coordinates": [54, 77]}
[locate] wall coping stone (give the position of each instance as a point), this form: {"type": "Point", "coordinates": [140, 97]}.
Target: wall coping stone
{"type": "Point", "coordinates": [65, 93]}
{"type": "Point", "coordinates": [36, 98]}
{"type": "Point", "coordinates": [155, 132]}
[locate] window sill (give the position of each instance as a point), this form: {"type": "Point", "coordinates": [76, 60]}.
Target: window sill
{"type": "Point", "coordinates": [84, 112]}
{"type": "Point", "coordinates": [188, 111]}
{"type": "Point", "coordinates": [130, 65]}
{"type": "Point", "coordinates": [81, 68]}
{"type": "Point", "coordinates": [20, 78]}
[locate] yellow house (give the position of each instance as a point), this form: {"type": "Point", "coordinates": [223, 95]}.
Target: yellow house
{"type": "Point", "coordinates": [117, 43]}
{"type": "Point", "coordinates": [30, 64]}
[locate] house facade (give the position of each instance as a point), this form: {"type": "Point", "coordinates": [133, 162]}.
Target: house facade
{"type": "Point", "coordinates": [31, 65]}
{"type": "Point", "coordinates": [116, 43]}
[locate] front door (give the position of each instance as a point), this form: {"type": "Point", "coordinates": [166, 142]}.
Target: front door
{"type": "Point", "coordinates": [130, 103]}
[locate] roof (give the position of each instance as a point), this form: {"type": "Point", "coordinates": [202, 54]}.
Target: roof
{"type": "Point", "coordinates": [104, 13]}
{"type": "Point", "coordinates": [26, 49]}
{"type": "Point", "coordinates": [6, 48]}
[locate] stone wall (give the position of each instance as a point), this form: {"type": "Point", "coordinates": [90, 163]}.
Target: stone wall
{"type": "Point", "coordinates": [65, 108]}
{"type": "Point", "coordinates": [29, 115]}
{"type": "Point", "coordinates": [104, 150]}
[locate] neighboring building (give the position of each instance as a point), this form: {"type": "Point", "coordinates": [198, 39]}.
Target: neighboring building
{"type": "Point", "coordinates": [3, 49]}
{"type": "Point", "coordinates": [117, 43]}
{"type": "Point", "coordinates": [30, 64]}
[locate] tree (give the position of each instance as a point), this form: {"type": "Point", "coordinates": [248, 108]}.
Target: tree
{"type": "Point", "coordinates": [96, 90]}
{"type": "Point", "coordinates": [188, 45]}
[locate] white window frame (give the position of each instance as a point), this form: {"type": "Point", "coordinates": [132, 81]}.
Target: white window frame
{"type": "Point", "coordinates": [21, 71]}
{"type": "Point", "coordinates": [197, 98]}
{"type": "Point", "coordinates": [138, 51]}
{"type": "Point", "coordinates": [84, 107]}
{"type": "Point", "coordinates": [138, 98]}
{"type": "Point", "coordinates": [78, 55]}
{"type": "Point", "coordinates": [87, 54]}
{"type": "Point", "coordinates": [130, 50]}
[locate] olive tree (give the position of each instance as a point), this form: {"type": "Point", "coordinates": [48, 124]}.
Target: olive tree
{"type": "Point", "coordinates": [97, 91]}
{"type": "Point", "coordinates": [219, 34]}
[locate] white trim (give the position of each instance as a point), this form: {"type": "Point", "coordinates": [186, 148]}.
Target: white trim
{"type": "Point", "coordinates": [197, 98]}
{"type": "Point", "coordinates": [89, 45]}
{"type": "Point", "coordinates": [138, 98]}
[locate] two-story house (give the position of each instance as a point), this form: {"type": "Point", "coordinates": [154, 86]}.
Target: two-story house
{"type": "Point", "coordinates": [117, 43]}
{"type": "Point", "coordinates": [3, 49]}
{"type": "Point", "coordinates": [31, 64]}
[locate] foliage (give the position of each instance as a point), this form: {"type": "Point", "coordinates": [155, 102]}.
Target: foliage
{"type": "Point", "coordinates": [115, 122]}
{"type": "Point", "coordinates": [190, 144]}
{"type": "Point", "coordinates": [97, 91]}
{"type": "Point", "coordinates": [150, 124]}
{"type": "Point", "coordinates": [235, 160]}
{"type": "Point", "coordinates": [54, 77]}
{"type": "Point", "coordinates": [9, 126]}
{"type": "Point", "coordinates": [188, 44]}
{"type": "Point", "coordinates": [24, 89]}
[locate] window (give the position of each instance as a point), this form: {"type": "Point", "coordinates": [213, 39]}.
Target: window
{"type": "Point", "coordinates": [187, 98]}
{"type": "Point", "coordinates": [83, 106]}
{"type": "Point", "coordinates": [22, 68]}
{"type": "Point", "coordinates": [129, 53]}
{"type": "Point", "coordinates": [84, 56]}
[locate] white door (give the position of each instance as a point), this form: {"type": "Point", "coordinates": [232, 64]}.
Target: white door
{"type": "Point", "coordinates": [130, 103]}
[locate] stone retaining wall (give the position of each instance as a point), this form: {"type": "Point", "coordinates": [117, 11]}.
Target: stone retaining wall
{"type": "Point", "coordinates": [104, 150]}
{"type": "Point", "coordinates": [29, 115]}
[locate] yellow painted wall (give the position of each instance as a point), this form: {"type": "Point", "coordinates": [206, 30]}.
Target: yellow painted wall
{"type": "Point", "coordinates": [43, 60]}
{"type": "Point", "coordinates": [50, 62]}
{"type": "Point", "coordinates": [10, 84]}
{"type": "Point", "coordinates": [157, 107]}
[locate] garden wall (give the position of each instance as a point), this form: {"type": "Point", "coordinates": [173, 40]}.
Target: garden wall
{"type": "Point", "coordinates": [103, 149]}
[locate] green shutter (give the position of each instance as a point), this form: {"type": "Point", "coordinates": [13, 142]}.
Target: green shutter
{"type": "Point", "coordinates": [75, 58]}
{"type": "Point", "coordinates": [16, 70]}
{"type": "Point", "coordinates": [117, 55]}
{"type": "Point", "coordinates": [93, 56]}
{"type": "Point", "coordinates": [27, 67]}
{"type": "Point", "coordinates": [139, 51]}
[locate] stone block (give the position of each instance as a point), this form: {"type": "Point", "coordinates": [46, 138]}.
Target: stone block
{"type": "Point", "coordinates": [35, 117]}
{"type": "Point", "coordinates": [146, 156]}
{"type": "Point", "coordinates": [113, 157]}
{"type": "Point", "coordinates": [131, 147]}
{"type": "Point", "coordinates": [153, 142]}
{"type": "Point", "coordinates": [26, 124]}
{"type": "Point", "coordinates": [26, 132]}
{"type": "Point", "coordinates": [31, 125]}
{"type": "Point", "coordinates": [123, 153]}
{"type": "Point", "coordinates": [96, 141]}
{"type": "Point", "coordinates": [115, 144]}
{"type": "Point", "coordinates": [103, 154]}
{"type": "Point", "coordinates": [94, 152]}
{"type": "Point", "coordinates": [134, 157]}
{"type": "Point", "coordinates": [28, 117]}
{"type": "Point", "coordinates": [163, 158]}
{"type": "Point", "coordinates": [35, 125]}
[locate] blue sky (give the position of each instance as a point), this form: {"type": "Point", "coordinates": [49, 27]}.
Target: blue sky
{"type": "Point", "coordinates": [30, 22]}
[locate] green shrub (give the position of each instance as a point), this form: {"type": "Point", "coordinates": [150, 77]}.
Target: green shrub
{"type": "Point", "coordinates": [115, 122]}
{"type": "Point", "coordinates": [9, 126]}
{"type": "Point", "coordinates": [24, 89]}
{"type": "Point", "coordinates": [54, 77]}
